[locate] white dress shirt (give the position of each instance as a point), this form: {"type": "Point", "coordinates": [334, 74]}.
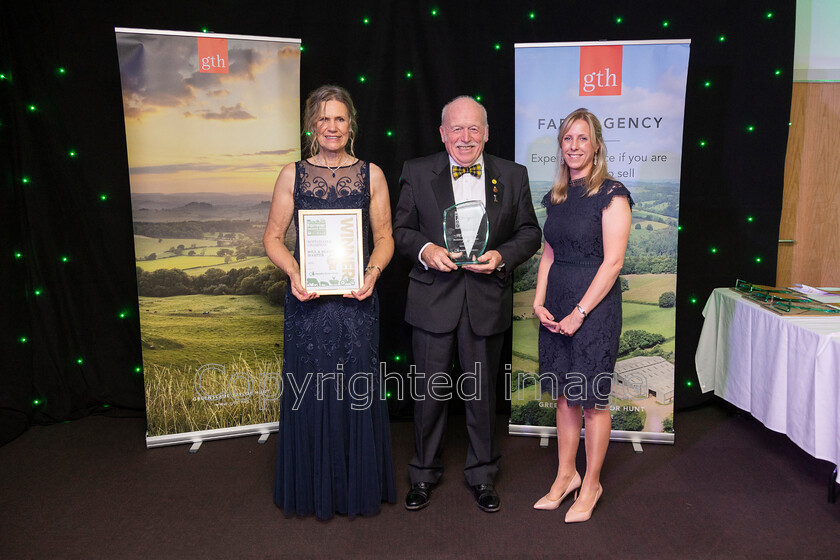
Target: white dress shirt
{"type": "Point", "coordinates": [466, 187]}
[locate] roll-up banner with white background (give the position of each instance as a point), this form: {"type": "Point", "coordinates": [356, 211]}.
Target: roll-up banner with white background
{"type": "Point", "coordinates": [637, 91]}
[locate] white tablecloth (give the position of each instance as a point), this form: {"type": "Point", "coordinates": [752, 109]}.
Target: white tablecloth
{"type": "Point", "coordinates": [784, 371]}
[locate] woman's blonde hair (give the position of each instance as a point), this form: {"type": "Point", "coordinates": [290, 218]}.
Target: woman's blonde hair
{"type": "Point", "coordinates": [597, 174]}
{"type": "Point", "coordinates": [312, 112]}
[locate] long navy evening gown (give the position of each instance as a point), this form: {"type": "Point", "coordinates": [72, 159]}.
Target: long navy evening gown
{"type": "Point", "coordinates": [334, 450]}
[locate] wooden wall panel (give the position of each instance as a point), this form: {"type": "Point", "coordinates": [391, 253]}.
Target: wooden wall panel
{"type": "Point", "coordinates": [811, 200]}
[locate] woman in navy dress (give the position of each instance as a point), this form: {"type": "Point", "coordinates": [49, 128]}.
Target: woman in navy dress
{"type": "Point", "coordinates": [578, 303]}
{"type": "Point", "coordinates": [334, 449]}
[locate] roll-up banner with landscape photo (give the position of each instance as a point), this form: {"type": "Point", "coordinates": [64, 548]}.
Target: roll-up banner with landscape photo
{"type": "Point", "coordinates": [209, 119]}
{"type": "Point", "coordinates": [637, 91]}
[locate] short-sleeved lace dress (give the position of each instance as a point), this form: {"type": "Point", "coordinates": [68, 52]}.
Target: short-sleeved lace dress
{"type": "Point", "coordinates": [334, 449]}
{"type": "Point", "coordinates": [579, 367]}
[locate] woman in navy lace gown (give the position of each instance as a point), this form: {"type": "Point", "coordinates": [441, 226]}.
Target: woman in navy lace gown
{"type": "Point", "coordinates": [334, 449]}
{"type": "Point", "coordinates": [578, 303]}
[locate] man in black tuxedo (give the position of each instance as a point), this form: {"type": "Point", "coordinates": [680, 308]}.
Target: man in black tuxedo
{"type": "Point", "coordinates": [465, 308]}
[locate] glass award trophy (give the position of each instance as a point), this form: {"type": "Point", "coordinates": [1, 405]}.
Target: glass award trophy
{"type": "Point", "coordinates": [465, 231]}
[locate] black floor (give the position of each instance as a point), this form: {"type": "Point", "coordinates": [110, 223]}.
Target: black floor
{"type": "Point", "coordinates": [728, 488]}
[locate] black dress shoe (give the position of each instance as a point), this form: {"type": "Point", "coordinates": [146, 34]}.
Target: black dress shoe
{"type": "Point", "coordinates": [486, 498]}
{"type": "Point", "coordinates": [419, 496]}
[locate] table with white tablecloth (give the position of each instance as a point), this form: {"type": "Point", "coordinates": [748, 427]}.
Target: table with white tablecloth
{"type": "Point", "coordinates": [784, 371]}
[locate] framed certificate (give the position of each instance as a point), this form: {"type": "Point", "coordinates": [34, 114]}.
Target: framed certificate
{"type": "Point", "coordinates": [331, 259]}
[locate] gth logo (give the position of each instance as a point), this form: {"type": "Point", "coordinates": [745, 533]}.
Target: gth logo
{"type": "Point", "coordinates": [600, 70]}
{"type": "Point", "coordinates": [212, 55]}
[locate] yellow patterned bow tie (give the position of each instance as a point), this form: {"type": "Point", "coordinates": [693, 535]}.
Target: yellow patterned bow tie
{"type": "Point", "coordinates": [475, 170]}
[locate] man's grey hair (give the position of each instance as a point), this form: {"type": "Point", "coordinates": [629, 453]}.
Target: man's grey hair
{"type": "Point", "coordinates": [443, 112]}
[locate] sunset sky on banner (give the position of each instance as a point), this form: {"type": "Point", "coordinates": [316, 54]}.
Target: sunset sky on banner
{"type": "Point", "coordinates": [210, 131]}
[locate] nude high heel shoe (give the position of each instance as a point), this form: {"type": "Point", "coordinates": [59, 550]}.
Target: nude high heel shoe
{"type": "Point", "coordinates": [547, 503]}
{"type": "Point", "coordinates": [574, 516]}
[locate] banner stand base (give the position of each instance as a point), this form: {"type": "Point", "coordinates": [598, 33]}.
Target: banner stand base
{"type": "Point", "coordinates": [195, 439]}
{"type": "Point", "coordinates": [636, 438]}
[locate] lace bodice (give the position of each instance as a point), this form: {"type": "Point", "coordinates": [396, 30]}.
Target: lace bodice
{"type": "Point", "coordinates": [318, 188]}
{"type": "Point", "coordinates": [574, 232]}
{"type": "Point", "coordinates": [331, 184]}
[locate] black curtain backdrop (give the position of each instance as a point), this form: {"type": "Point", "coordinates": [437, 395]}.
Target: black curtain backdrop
{"type": "Point", "coordinates": [68, 271]}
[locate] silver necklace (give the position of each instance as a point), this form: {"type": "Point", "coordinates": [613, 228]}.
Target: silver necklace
{"type": "Point", "coordinates": [337, 167]}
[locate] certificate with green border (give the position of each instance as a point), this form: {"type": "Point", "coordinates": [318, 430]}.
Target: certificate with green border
{"type": "Point", "coordinates": [331, 256]}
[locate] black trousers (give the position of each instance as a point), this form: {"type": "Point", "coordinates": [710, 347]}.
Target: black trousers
{"type": "Point", "coordinates": [480, 357]}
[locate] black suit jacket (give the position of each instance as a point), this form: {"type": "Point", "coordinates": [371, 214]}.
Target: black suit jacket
{"type": "Point", "coordinates": [435, 298]}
